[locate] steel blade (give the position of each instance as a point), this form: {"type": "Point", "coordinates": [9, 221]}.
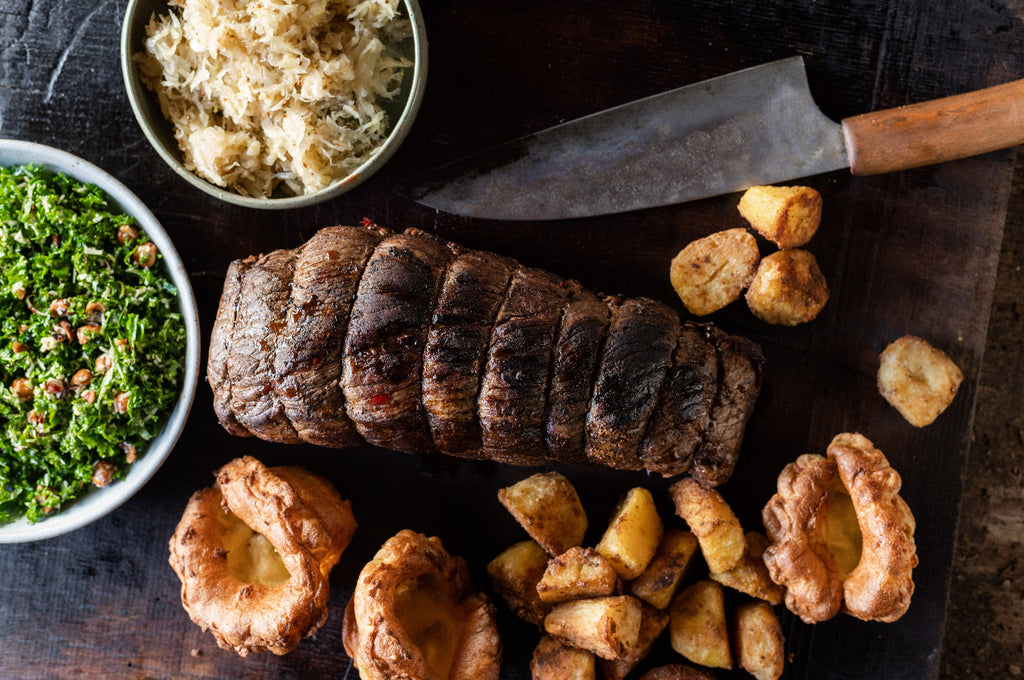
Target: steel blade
{"type": "Point", "coordinates": [756, 126]}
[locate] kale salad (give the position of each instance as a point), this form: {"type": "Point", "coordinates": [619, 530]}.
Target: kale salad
{"type": "Point", "coordinates": [92, 341]}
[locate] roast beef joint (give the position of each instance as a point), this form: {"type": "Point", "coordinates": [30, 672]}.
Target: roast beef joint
{"type": "Point", "coordinates": [403, 341]}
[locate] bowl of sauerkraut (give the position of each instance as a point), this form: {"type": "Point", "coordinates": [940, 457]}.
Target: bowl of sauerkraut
{"type": "Point", "coordinates": [277, 103]}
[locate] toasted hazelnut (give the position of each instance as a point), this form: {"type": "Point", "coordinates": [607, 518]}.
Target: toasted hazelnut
{"type": "Point", "coordinates": [22, 389]}
{"type": "Point", "coordinates": [87, 332]}
{"type": "Point", "coordinates": [81, 378]}
{"type": "Point", "coordinates": [19, 347]}
{"type": "Point", "coordinates": [55, 389]}
{"type": "Point", "coordinates": [121, 402]}
{"type": "Point", "coordinates": [102, 364]}
{"type": "Point", "coordinates": [130, 453]}
{"type": "Point", "coordinates": [62, 332]}
{"type": "Point", "coordinates": [94, 311]}
{"type": "Point", "coordinates": [126, 233]}
{"type": "Point", "coordinates": [103, 473]}
{"type": "Point", "coordinates": [89, 396]}
{"type": "Point", "coordinates": [145, 254]}
{"type": "Point", "coordinates": [59, 307]}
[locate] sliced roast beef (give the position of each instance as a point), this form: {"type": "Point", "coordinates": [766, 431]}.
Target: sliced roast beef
{"type": "Point", "coordinates": [221, 343]}
{"type": "Point", "coordinates": [513, 393]}
{"type": "Point", "coordinates": [456, 348]}
{"type": "Point", "coordinates": [739, 379]}
{"type": "Point", "coordinates": [308, 361]}
{"type": "Point", "coordinates": [681, 415]}
{"type": "Point", "coordinates": [383, 359]}
{"type": "Point", "coordinates": [573, 369]}
{"type": "Point", "coordinates": [636, 356]}
{"type": "Point", "coordinates": [262, 298]}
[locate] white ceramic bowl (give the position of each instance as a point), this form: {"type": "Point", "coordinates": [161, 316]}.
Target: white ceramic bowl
{"type": "Point", "coordinates": [401, 110]}
{"type": "Point", "coordinates": [95, 502]}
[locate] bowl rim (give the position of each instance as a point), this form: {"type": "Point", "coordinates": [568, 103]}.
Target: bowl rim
{"type": "Point", "coordinates": [95, 503]}
{"type": "Point", "coordinates": [133, 22]}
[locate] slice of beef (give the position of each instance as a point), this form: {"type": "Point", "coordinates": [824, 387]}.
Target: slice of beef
{"type": "Point", "coordinates": [740, 363]}
{"type": "Point", "coordinates": [308, 361]}
{"type": "Point", "coordinates": [456, 348]}
{"type": "Point", "coordinates": [581, 333]}
{"type": "Point", "coordinates": [513, 392]}
{"type": "Point", "coordinates": [263, 297]}
{"type": "Point", "coordinates": [636, 357]}
{"type": "Point", "coordinates": [220, 346]}
{"type": "Point", "coordinates": [681, 415]}
{"type": "Point", "coordinates": [383, 359]}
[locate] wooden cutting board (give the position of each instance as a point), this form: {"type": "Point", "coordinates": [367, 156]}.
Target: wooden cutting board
{"type": "Point", "coordinates": [913, 252]}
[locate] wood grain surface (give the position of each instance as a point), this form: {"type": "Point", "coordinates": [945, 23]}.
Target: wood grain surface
{"type": "Point", "coordinates": [912, 252]}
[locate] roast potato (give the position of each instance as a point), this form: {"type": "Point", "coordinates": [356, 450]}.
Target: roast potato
{"type": "Point", "coordinates": [547, 506]}
{"type": "Point", "coordinates": [515, 574]}
{"type": "Point", "coordinates": [633, 534]}
{"type": "Point", "coordinates": [607, 626]}
{"type": "Point", "coordinates": [712, 521]}
{"type": "Point", "coordinates": [555, 660]}
{"type": "Point", "coordinates": [576, 574]}
{"type": "Point", "coordinates": [919, 380]}
{"type": "Point", "coordinates": [757, 638]}
{"type": "Point", "coordinates": [697, 626]}
{"type": "Point", "coordinates": [750, 574]}
{"type": "Point", "coordinates": [658, 582]}
{"type": "Point", "coordinates": [788, 288]}
{"type": "Point", "coordinates": [712, 272]}
{"type": "Point", "coordinates": [787, 216]}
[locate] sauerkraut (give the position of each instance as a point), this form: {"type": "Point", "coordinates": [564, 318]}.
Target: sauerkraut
{"type": "Point", "coordinates": [281, 95]}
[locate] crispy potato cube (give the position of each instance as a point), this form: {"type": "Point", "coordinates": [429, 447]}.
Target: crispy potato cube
{"type": "Point", "coordinates": [651, 624]}
{"type": "Point", "coordinates": [515, 574]}
{"type": "Point", "coordinates": [750, 575]}
{"type": "Point", "coordinates": [678, 671]}
{"type": "Point", "coordinates": [555, 660]}
{"type": "Point", "coordinates": [712, 521]}
{"type": "Point", "coordinates": [919, 380]}
{"type": "Point", "coordinates": [788, 288]}
{"type": "Point", "coordinates": [786, 216]}
{"type": "Point", "coordinates": [712, 272]}
{"type": "Point", "coordinates": [697, 626]}
{"type": "Point", "coordinates": [576, 574]}
{"type": "Point", "coordinates": [633, 534]}
{"type": "Point", "coordinates": [658, 582]}
{"type": "Point", "coordinates": [607, 626]}
{"type": "Point", "coordinates": [757, 638]}
{"type": "Point", "coordinates": [547, 506]}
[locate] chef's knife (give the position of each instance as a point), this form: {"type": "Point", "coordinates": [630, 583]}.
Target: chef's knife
{"type": "Point", "coordinates": [756, 126]}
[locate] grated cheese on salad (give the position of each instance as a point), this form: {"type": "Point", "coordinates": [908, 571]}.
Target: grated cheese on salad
{"type": "Point", "coordinates": [268, 94]}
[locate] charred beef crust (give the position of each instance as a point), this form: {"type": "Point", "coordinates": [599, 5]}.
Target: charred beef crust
{"type": "Point", "coordinates": [383, 356]}
{"type": "Point", "coordinates": [679, 420]}
{"type": "Point", "coordinates": [309, 357]}
{"type": "Point", "coordinates": [262, 298]}
{"type": "Point", "coordinates": [456, 348]}
{"type": "Point", "coordinates": [740, 363]}
{"type": "Point", "coordinates": [220, 346]}
{"type": "Point", "coordinates": [581, 333]}
{"type": "Point", "coordinates": [634, 361]}
{"type": "Point", "coordinates": [552, 372]}
{"type": "Point", "coordinates": [513, 391]}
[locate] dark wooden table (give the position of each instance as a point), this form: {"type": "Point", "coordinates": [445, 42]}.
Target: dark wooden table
{"type": "Point", "coordinates": [915, 252]}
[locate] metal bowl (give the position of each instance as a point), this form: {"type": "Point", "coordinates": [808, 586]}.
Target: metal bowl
{"type": "Point", "coordinates": [96, 502]}
{"type": "Point", "coordinates": [401, 110]}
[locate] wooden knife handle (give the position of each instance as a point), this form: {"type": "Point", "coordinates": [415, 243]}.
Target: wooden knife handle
{"type": "Point", "coordinates": [936, 131]}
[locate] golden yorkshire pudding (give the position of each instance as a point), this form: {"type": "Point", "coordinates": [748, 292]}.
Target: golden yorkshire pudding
{"type": "Point", "coordinates": [842, 536]}
{"type": "Point", "coordinates": [254, 552]}
{"type": "Point", "coordinates": [415, 616]}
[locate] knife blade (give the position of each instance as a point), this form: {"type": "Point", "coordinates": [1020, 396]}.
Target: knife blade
{"type": "Point", "coordinates": [755, 126]}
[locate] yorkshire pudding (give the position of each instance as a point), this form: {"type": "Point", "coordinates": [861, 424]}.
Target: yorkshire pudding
{"type": "Point", "coordinates": [842, 536]}
{"type": "Point", "coordinates": [254, 552]}
{"type": "Point", "coordinates": [415, 616]}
